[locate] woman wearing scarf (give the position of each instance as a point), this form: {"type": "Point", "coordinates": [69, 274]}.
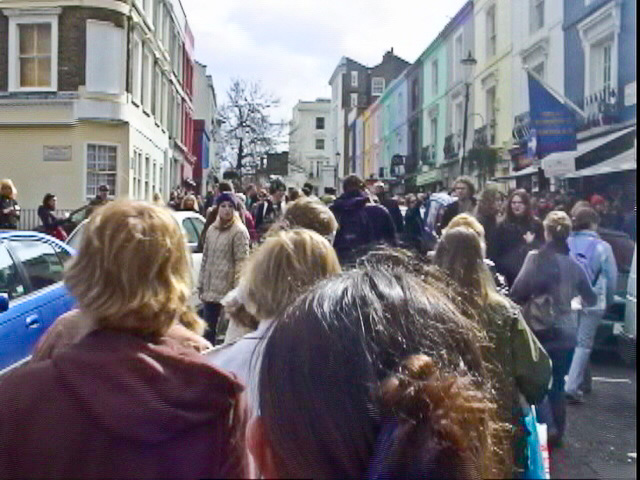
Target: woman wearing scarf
{"type": "Point", "coordinates": [226, 245]}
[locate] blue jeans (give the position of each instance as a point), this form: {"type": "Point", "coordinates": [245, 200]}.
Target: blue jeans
{"type": "Point", "coordinates": [553, 409]}
{"type": "Point", "coordinates": [587, 327]}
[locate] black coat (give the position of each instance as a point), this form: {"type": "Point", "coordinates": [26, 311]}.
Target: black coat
{"type": "Point", "coordinates": [451, 211]}
{"type": "Point", "coordinates": [49, 221]}
{"type": "Point", "coordinates": [8, 221]}
{"type": "Point", "coordinates": [510, 248]}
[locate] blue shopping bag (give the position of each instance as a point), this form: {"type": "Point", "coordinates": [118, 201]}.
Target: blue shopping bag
{"type": "Point", "coordinates": [536, 461]}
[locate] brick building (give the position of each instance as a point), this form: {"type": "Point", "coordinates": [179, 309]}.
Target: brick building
{"type": "Point", "coordinates": [95, 95]}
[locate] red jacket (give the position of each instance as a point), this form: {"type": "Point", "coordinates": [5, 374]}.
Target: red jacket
{"type": "Point", "coordinates": [117, 406]}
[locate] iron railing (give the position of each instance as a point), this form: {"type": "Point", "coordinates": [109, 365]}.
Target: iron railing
{"type": "Point", "coordinates": [29, 219]}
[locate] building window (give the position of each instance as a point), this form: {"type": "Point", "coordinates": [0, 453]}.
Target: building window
{"type": "Point", "coordinates": [105, 46]}
{"type": "Point", "coordinates": [536, 15]}
{"type": "Point", "coordinates": [319, 123]}
{"type": "Point", "coordinates": [377, 86]}
{"type": "Point", "coordinates": [490, 96]}
{"type": "Point", "coordinates": [102, 163]}
{"type": "Point", "coordinates": [434, 133]}
{"type": "Point", "coordinates": [136, 69]}
{"type": "Point", "coordinates": [147, 177]}
{"type": "Point", "coordinates": [600, 67]}
{"type": "Point", "coordinates": [354, 100]}
{"type": "Point", "coordinates": [458, 118]}
{"type": "Point", "coordinates": [319, 143]}
{"type": "Point", "coordinates": [33, 51]}
{"type": "Point", "coordinates": [415, 94]}
{"type": "Point", "coordinates": [156, 104]}
{"type": "Point", "coordinates": [458, 52]}
{"type": "Point", "coordinates": [491, 31]}
{"type": "Point", "coordinates": [354, 79]}
{"type": "Point", "coordinates": [147, 78]}
{"type": "Point", "coordinates": [434, 77]}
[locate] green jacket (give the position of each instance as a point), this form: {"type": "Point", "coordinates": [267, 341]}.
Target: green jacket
{"type": "Point", "coordinates": [518, 364]}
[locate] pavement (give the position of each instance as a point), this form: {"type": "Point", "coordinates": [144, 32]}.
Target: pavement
{"type": "Point", "coordinates": [600, 440]}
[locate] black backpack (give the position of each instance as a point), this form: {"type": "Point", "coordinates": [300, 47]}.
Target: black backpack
{"type": "Point", "coordinates": [355, 231]}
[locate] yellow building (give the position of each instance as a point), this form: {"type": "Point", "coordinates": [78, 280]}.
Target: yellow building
{"type": "Point", "coordinates": [491, 116]}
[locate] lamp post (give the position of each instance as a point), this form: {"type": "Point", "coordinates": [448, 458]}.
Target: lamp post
{"type": "Point", "coordinates": [468, 64]}
{"type": "Point", "coordinates": [335, 171]}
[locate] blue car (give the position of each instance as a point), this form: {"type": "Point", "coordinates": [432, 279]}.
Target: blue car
{"type": "Point", "coordinates": [32, 294]}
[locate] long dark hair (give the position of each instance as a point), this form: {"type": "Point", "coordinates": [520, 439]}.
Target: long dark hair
{"type": "Point", "coordinates": [375, 373]}
{"type": "Point", "coordinates": [47, 198]}
{"type": "Point", "coordinates": [526, 199]}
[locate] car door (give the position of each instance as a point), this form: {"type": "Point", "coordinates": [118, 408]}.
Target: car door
{"type": "Point", "coordinates": [41, 263]}
{"type": "Point", "coordinates": [19, 324]}
{"type": "Point", "coordinates": [193, 227]}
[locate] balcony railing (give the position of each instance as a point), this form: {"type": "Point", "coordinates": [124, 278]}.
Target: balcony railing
{"type": "Point", "coordinates": [602, 108]}
{"type": "Point", "coordinates": [485, 136]}
{"type": "Point", "coordinates": [452, 145]}
{"type": "Point", "coordinates": [428, 156]}
{"type": "Point", "coordinates": [521, 127]}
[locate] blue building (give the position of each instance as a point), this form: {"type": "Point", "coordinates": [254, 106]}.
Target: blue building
{"type": "Point", "coordinates": [600, 59]}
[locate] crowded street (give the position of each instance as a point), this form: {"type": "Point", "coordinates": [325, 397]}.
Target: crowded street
{"type": "Point", "coordinates": [601, 440]}
{"type": "Point", "coordinates": [303, 239]}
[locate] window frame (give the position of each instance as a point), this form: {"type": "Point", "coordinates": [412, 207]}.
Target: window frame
{"type": "Point", "coordinates": [137, 52]}
{"type": "Point", "coordinates": [323, 144]}
{"type": "Point", "coordinates": [16, 18]}
{"type": "Point", "coordinates": [86, 167]}
{"type": "Point", "coordinates": [492, 40]}
{"type": "Point", "coordinates": [434, 77]}
{"type": "Point", "coordinates": [354, 78]}
{"type": "Point", "coordinates": [323, 122]}
{"type": "Point", "coordinates": [458, 39]}
{"type": "Point", "coordinates": [352, 103]}
{"type": "Point", "coordinates": [536, 22]}
{"type": "Point", "coordinates": [22, 268]}
{"type": "Point", "coordinates": [373, 84]}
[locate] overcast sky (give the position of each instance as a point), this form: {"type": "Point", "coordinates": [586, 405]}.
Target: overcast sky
{"type": "Point", "coordinates": [293, 46]}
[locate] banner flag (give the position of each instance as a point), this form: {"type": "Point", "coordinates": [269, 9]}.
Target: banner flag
{"type": "Point", "coordinates": [552, 122]}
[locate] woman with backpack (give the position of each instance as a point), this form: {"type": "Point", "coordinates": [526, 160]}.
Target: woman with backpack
{"type": "Point", "coordinates": [596, 257]}
{"type": "Point", "coordinates": [546, 285]}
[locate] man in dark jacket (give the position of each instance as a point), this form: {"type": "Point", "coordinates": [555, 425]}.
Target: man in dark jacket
{"type": "Point", "coordinates": [268, 211]}
{"type": "Point", "coordinates": [361, 222]}
{"type": "Point", "coordinates": [464, 190]}
{"type": "Point", "coordinates": [380, 190]}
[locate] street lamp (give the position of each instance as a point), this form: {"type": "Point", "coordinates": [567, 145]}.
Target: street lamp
{"type": "Point", "coordinates": [335, 171]}
{"type": "Point", "coordinates": [468, 64]}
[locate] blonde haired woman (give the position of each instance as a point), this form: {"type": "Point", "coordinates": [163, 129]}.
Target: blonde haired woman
{"type": "Point", "coordinates": [518, 363]}
{"type": "Point", "coordinates": [126, 401]}
{"type": "Point", "coordinates": [9, 208]}
{"type": "Point", "coordinates": [226, 246]}
{"type": "Point", "coordinates": [275, 274]}
{"type": "Point", "coordinates": [309, 213]}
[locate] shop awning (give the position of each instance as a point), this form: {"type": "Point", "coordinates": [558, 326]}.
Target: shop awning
{"type": "Point", "coordinates": [559, 164]}
{"type": "Point", "coordinates": [520, 173]}
{"type": "Point", "coordinates": [620, 163]}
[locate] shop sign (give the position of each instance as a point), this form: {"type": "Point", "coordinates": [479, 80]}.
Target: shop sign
{"type": "Point", "coordinates": [557, 167]}
{"type": "Point", "coordinates": [56, 153]}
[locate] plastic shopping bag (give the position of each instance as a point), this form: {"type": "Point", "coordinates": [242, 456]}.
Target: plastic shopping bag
{"type": "Point", "coordinates": [544, 448]}
{"type": "Point", "coordinates": [537, 448]}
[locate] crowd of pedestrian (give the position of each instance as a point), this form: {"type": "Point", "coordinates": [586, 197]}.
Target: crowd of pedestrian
{"type": "Point", "coordinates": [341, 337]}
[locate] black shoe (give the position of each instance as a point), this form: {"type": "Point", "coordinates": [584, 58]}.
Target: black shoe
{"type": "Point", "coordinates": [554, 440]}
{"type": "Point", "coordinates": [575, 398]}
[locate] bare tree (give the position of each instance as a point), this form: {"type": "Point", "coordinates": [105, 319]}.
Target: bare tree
{"type": "Point", "coordinates": [248, 131]}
